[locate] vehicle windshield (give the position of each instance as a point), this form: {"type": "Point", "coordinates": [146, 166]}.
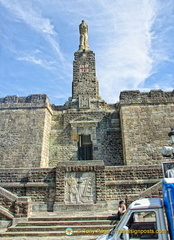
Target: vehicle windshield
{"type": "Point", "coordinates": [119, 222]}
{"type": "Point", "coordinates": [112, 232]}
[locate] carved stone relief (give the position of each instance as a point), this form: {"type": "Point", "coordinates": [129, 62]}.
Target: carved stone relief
{"type": "Point", "coordinates": [80, 188]}
{"type": "Point", "coordinates": [84, 101]}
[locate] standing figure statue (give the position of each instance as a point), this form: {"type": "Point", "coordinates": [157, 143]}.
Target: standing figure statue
{"type": "Point", "coordinates": [72, 192]}
{"type": "Point", "coordinates": [83, 29]}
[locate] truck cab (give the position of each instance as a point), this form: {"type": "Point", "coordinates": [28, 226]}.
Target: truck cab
{"type": "Point", "coordinates": [144, 219]}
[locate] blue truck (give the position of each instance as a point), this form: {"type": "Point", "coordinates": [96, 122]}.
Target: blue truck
{"type": "Point", "coordinates": [147, 218]}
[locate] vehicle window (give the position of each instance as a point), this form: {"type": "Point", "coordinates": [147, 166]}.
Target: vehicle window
{"type": "Point", "coordinates": [144, 217]}
{"type": "Point", "coordinates": [142, 225]}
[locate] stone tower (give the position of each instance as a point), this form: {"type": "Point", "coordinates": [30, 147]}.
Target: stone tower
{"type": "Point", "coordinates": [85, 84]}
{"type": "Point", "coordinates": [85, 88]}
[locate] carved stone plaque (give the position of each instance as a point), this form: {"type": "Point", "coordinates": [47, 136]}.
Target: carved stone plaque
{"type": "Point", "coordinates": [80, 188]}
{"type": "Point", "coordinates": [84, 68]}
{"type": "Point", "coordinates": [83, 101]}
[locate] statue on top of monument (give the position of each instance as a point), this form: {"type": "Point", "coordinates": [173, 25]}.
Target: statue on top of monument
{"type": "Point", "coordinates": [83, 29]}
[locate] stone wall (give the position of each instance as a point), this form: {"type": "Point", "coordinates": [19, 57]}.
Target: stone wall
{"type": "Point", "coordinates": [24, 131]}
{"type": "Point", "coordinates": [146, 119]}
{"type": "Point", "coordinates": [47, 186]}
{"type": "Point", "coordinates": [13, 206]}
{"type": "Point", "coordinates": [102, 125]}
{"type": "Point", "coordinates": [130, 180]}
{"type": "Point", "coordinates": [38, 183]}
{"type": "Point", "coordinates": [46, 139]}
{"type": "Point", "coordinates": [34, 136]}
{"type": "Point", "coordinates": [26, 124]}
{"type": "Point", "coordinates": [154, 191]}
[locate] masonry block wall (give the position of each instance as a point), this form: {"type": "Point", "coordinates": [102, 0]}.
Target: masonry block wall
{"type": "Point", "coordinates": [107, 143]}
{"type": "Point", "coordinates": [39, 183]}
{"type": "Point", "coordinates": [24, 131]}
{"type": "Point", "coordinates": [34, 134]}
{"type": "Point", "coordinates": [84, 75]}
{"type": "Point", "coordinates": [122, 181]}
{"type": "Point", "coordinates": [47, 185]}
{"type": "Point", "coordinates": [146, 119]}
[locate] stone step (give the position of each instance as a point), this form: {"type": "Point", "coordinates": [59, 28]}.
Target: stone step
{"type": "Point", "coordinates": [68, 223]}
{"type": "Point", "coordinates": [77, 228]}
{"type": "Point", "coordinates": [97, 232]}
{"type": "Point", "coordinates": [55, 131]}
{"type": "Point", "coordinates": [77, 218]}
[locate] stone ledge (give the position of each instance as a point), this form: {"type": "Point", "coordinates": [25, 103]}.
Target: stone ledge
{"type": "Point", "coordinates": [152, 97]}
{"type": "Point", "coordinates": [10, 196]}
{"type": "Point", "coordinates": [32, 101]}
{"type": "Point", "coordinates": [33, 98]}
{"type": "Point", "coordinates": [25, 169]}
{"type": "Point", "coordinates": [29, 184]}
{"type": "Point", "coordinates": [130, 182]}
{"type": "Point", "coordinates": [5, 212]}
{"type": "Point", "coordinates": [130, 168]}
{"type": "Point", "coordinates": [81, 163]}
{"type": "Point", "coordinates": [21, 205]}
{"type": "Point", "coordinates": [16, 106]}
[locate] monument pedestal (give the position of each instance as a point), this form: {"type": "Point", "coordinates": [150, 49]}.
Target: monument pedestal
{"type": "Point", "coordinates": [80, 185]}
{"type": "Point", "coordinates": [96, 207]}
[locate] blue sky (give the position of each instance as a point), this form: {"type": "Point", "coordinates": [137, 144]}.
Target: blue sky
{"type": "Point", "coordinates": [133, 41]}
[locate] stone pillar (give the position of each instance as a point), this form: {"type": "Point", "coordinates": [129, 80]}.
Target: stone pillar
{"type": "Point", "coordinates": [60, 183]}
{"type": "Point", "coordinates": [23, 207]}
{"type": "Point", "coordinates": [85, 84]}
{"type": "Point", "coordinates": [100, 183]}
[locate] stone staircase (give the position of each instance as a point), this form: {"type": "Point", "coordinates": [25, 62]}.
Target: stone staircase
{"type": "Point", "coordinates": [154, 191]}
{"type": "Point", "coordinates": [56, 226]}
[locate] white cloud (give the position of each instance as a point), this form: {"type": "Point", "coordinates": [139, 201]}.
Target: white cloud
{"type": "Point", "coordinates": [163, 32]}
{"type": "Point", "coordinates": [125, 61]}
{"type": "Point", "coordinates": [38, 61]}
{"type": "Point", "coordinates": [56, 47]}
{"type": "Point", "coordinates": [23, 10]}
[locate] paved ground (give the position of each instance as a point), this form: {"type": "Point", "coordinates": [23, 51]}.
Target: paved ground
{"type": "Point", "coordinates": [56, 214]}
{"type": "Point", "coordinates": [52, 238]}
{"type": "Point", "coordinates": [73, 214]}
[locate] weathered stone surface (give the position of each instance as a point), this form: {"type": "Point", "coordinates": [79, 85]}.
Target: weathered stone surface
{"type": "Point", "coordinates": [154, 96]}
{"type": "Point", "coordinates": [146, 119]}
{"type": "Point", "coordinates": [24, 131]}
{"type": "Point", "coordinates": [129, 180]}
{"type": "Point", "coordinates": [103, 126]}
{"type": "Point", "coordinates": [85, 83]}
{"type": "Point", "coordinates": [80, 188]}
{"type": "Point", "coordinates": [13, 206]}
{"type": "Point", "coordinates": [47, 186]}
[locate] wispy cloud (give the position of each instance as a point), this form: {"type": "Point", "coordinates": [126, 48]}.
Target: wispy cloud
{"type": "Point", "coordinates": [125, 61]}
{"type": "Point", "coordinates": [24, 11]}
{"type": "Point", "coordinates": [38, 61]}
{"type": "Point", "coordinates": [162, 42]}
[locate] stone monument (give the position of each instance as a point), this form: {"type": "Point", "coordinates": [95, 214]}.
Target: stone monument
{"type": "Point", "coordinates": [83, 29]}
{"type": "Point", "coordinates": [86, 153]}
{"type": "Point", "coordinates": [80, 187]}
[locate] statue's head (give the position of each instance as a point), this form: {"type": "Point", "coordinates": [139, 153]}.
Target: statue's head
{"type": "Point", "coordinates": [83, 21]}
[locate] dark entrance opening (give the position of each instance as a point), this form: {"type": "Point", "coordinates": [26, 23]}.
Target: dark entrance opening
{"type": "Point", "coordinates": [85, 147]}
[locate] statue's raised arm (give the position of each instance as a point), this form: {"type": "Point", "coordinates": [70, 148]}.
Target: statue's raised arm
{"type": "Point", "coordinates": [83, 29]}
